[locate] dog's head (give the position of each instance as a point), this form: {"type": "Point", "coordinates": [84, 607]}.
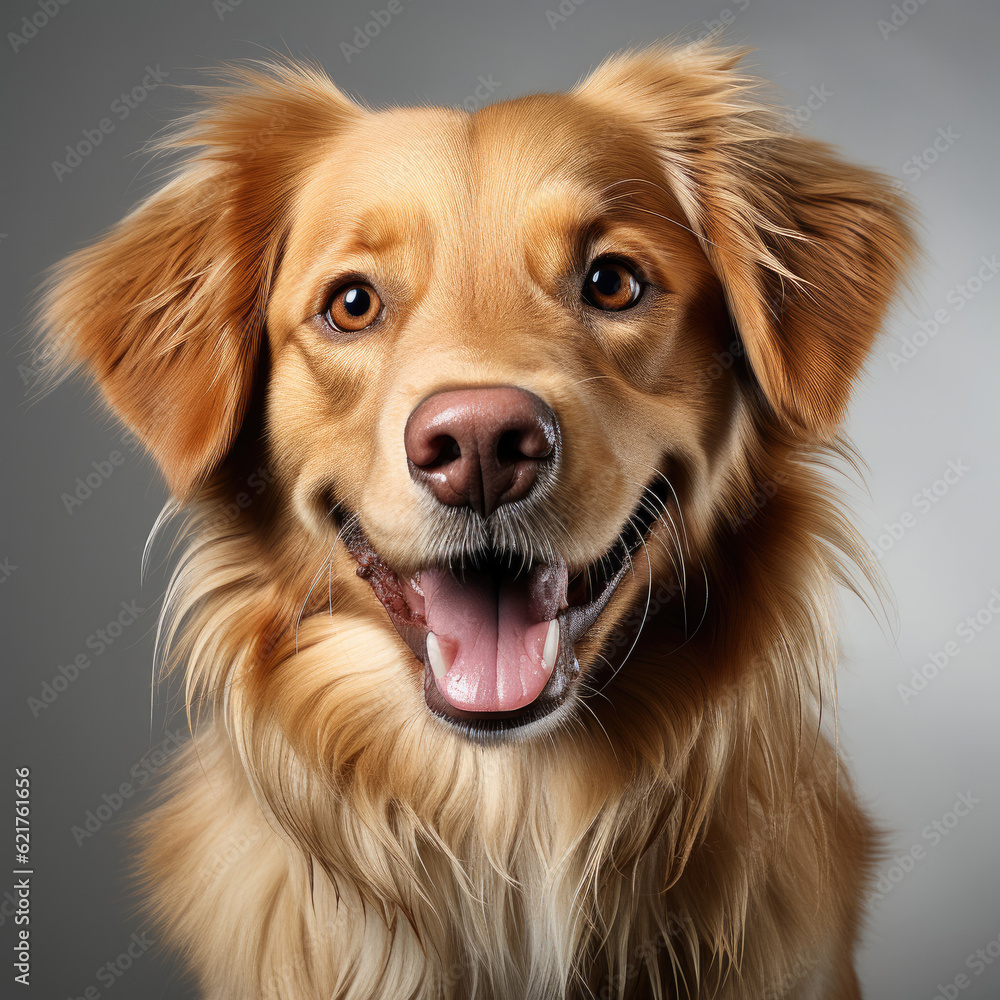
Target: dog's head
{"type": "Point", "coordinates": [474, 382]}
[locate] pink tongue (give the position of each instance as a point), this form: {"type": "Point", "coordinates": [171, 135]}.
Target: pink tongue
{"type": "Point", "coordinates": [491, 631]}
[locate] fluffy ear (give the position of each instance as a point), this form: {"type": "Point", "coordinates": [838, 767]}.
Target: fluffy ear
{"type": "Point", "coordinates": [810, 249]}
{"type": "Point", "coordinates": [166, 310]}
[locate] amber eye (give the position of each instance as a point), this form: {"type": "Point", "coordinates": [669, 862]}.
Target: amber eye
{"type": "Point", "coordinates": [611, 285]}
{"type": "Point", "coordinates": [353, 307]}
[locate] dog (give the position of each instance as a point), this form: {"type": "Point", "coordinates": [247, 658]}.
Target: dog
{"type": "Point", "coordinates": [506, 620]}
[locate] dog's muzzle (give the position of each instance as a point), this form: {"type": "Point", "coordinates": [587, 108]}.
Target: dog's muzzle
{"type": "Point", "coordinates": [496, 631]}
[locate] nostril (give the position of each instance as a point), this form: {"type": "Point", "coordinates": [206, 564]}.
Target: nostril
{"type": "Point", "coordinates": [447, 450]}
{"type": "Point", "coordinates": [428, 449]}
{"type": "Point", "coordinates": [509, 447]}
{"type": "Point", "coordinates": [481, 447]}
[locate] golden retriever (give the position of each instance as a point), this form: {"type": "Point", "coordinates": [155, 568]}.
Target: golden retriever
{"type": "Point", "coordinates": [507, 618]}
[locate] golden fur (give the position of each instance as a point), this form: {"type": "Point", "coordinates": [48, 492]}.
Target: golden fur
{"type": "Point", "coordinates": [685, 828]}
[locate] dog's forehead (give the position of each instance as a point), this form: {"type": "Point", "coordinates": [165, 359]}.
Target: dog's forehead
{"type": "Point", "coordinates": [546, 159]}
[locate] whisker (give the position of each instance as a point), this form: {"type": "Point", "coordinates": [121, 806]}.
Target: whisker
{"type": "Point", "coordinates": [649, 591]}
{"type": "Point", "coordinates": [319, 572]}
{"type": "Point", "coordinates": [607, 736]}
{"type": "Point", "coordinates": [682, 546]}
{"type": "Point", "coordinates": [655, 504]}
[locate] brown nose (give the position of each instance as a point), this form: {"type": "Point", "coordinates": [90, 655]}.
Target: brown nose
{"type": "Point", "coordinates": [480, 448]}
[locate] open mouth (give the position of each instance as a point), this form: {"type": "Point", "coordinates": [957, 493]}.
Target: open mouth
{"type": "Point", "coordinates": [497, 639]}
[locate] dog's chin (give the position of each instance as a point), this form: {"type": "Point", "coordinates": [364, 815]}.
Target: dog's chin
{"type": "Point", "coordinates": [497, 636]}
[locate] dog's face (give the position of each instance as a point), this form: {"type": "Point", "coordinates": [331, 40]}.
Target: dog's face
{"type": "Point", "coordinates": [506, 370]}
{"type": "Point", "coordinates": [489, 339]}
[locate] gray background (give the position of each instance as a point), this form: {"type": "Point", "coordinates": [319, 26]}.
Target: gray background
{"type": "Point", "coordinates": [887, 95]}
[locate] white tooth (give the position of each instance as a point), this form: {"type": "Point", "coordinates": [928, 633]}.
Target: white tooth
{"type": "Point", "coordinates": [434, 655]}
{"type": "Point", "coordinates": [550, 652]}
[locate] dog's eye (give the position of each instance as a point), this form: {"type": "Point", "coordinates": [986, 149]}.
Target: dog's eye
{"type": "Point", "coordinates": [611, 285]}
{"type": "Point", "coordinates": [353, 307]}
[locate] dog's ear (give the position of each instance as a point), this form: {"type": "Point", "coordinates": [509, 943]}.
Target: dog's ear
{"type": "Point", "coordinates": [166, 311]}
{"type": "Point", "coordinates": [809, 249]}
